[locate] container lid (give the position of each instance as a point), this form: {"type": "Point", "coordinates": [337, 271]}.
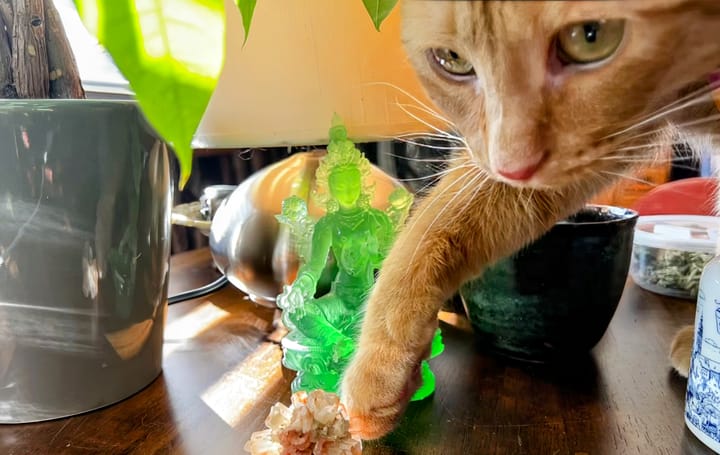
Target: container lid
{"type": "Point", "coordinates": [698, 234]}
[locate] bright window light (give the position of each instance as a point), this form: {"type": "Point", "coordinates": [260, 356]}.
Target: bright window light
{"type": "Point", "coordinates": [97, 70]}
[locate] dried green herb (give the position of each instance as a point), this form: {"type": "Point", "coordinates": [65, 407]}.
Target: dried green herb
{"type": "Point", "coordinates": [671, 269]}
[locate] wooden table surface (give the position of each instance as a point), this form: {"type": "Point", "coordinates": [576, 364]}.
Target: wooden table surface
{"type": "Point", "coordinates": [222, 373]}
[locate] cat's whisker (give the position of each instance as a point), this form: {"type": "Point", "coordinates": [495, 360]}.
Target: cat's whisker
{"type": "Point", "coordinates": [478, 188]}
{"type": "Point", "coordinates": [427, 108]}
{"type": "Point", "coordinates": [643, 146]}
{"type": "Point", "coordinates": [425, 188]}
{"type": "Point", "coordinates": [686, 167]}
{"type": "Point", "coordinates": [708, 119]}
{"type": "Point", "coordinates": [444, 136]}
{"type": "Point", "coordinates": [420, 140]}
{"type": "Point", "coordinates": [525, 201]}
{"type": "Point", "coordinates": [434, 147]}
{"type": "Point", "coordinates": [429, 176]}
{"type": "Point", "coordinates": [629, 177]}
{"type": "Point", "coordinates": [651, 154]}
{"type": "Point", "coordinates": [619, 159]}
{"type": "Point", "coordinates": [424, 122]}
{"type": "Point", "coordinates": [432, 182]}
{"type": "Point", "coordinates": [661, 131]}
{"type": "Point", "coordinates": [426, 160]}
{"type": "Point", "coordinates": [651, 162]}
{"type": "Point", "coordinates": [701, 93]}
{"type": "Point", "coordinates": [467, 170]}
{"type": "Point", "coordinates": [433, 168]}
{"type": "Point", "coordinates": [432, 113]}
{"type": "Point", "coordinates": [646, 163]}
{"type": "Point", "coordinates": [450, 136]}
{"type": "Point", "coordinates": [704, 98]}
{"type": "Point", "coordinates": [403, 91]}
{"type": "Point", "coordinates": [606, 180]}
{"type": "Point", "coordinates": [648, 159]}
{"type": "Point", "coordinates": [461, 192]}
{"type": "Point", "coordinates": [438, 172]}
{"type": "Point", "coordinates": [536, 214]}
{"type": "Point", "coordinates": [419, 216]}
{"type": "Point", "coordinates": [429, 142]}
{"type": "Point", "coordinates": [705, 89]}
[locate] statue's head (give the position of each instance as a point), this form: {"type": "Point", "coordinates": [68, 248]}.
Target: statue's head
{"type": "Point", "coordinates": [343, 176]}
{"type": "Point", "coordinates": [345, 185]}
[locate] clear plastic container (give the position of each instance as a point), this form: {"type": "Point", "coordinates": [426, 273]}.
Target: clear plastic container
{"type": "Point", "coordinates": [670, 251]}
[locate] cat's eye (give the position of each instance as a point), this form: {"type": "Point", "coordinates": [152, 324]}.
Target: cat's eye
{"type": "Point", "coordinates": [590, 42]}
{"type": "Point", "coordinates": [451, 63]}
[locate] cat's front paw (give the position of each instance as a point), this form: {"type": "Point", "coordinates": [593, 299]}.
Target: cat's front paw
{"type": "Point", "coordinates": [377, 386]}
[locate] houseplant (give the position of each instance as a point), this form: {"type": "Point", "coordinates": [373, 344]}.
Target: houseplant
{"type": "Point", "coordinates": [172, 53]}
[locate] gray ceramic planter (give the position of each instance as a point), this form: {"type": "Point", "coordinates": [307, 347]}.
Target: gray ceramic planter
{"type": "Point", "coordinates": [85, 197]}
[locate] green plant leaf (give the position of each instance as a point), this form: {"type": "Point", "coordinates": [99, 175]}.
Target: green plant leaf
{"type": "Point", "coordinates": [171, 52]}
{"type": "Point", "coordinates": [247, 8]}
{"type": "Point", "coordinates": [379, 10]}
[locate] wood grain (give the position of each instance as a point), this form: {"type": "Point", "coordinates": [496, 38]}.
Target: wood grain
{"type": "Point", "coordinates": [7, 87]}
{"type": "Point", "coordinates": [36, 60]}
{"type": "Point", "coordinates": [64, 74]}
{"type": "Point", "coordinates": [219, 382]}
{"type": "Point", "coordinates": [29, 50]}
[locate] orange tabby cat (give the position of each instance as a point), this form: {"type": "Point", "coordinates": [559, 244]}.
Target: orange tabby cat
{"type": "Point", "coordinates": [555, 100]}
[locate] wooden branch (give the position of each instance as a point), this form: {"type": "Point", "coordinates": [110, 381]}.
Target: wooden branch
{"type": "Point", "coordinates": [6, 13]}
{"type": "Point", "coordinates": [29, 52]}
{"type": "Point", "coordinates": [7, 88]}
{"type": "Point", "coordinates": [64, 75]}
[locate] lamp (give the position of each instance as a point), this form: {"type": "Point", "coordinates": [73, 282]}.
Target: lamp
{"type": "Point", "coordinates": [303, 61]}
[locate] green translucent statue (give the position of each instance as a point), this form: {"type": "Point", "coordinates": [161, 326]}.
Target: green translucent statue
{"type": "Point", "coordinates": [323, 330]}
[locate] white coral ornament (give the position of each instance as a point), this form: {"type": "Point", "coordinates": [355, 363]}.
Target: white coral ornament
{"type": "Point", "coordinates": [314, 424]}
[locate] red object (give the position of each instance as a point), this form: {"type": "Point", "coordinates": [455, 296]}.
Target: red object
{"type": "Point", "coordinates": [693, 196]}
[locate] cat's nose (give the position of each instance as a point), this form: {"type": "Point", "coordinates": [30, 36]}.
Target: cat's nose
{"type": "Point", "coordinates": [525, 171]}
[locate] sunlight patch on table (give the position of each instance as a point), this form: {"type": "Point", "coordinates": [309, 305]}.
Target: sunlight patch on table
{"type": "Point", "coordinates": [240, 389]}
{"type": "Point", "coordinates": [190, 325]}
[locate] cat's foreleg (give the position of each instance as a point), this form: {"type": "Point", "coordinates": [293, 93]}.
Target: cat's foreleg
{"type": "Point", "coordinates": [465, 223]}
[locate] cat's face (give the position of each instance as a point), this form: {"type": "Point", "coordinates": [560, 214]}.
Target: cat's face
{"type": "Point", "coordinates": [539, 89]}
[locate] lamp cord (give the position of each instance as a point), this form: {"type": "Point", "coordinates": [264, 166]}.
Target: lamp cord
{"type": "Point", "coordinates": [199, 292]}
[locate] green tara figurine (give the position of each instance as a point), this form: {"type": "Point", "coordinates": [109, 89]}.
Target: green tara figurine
{"type": "Point", "coordinates": [322, 331]}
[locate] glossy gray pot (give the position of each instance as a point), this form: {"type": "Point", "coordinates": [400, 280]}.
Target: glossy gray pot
{"type": "Point", "coordinates": [85, 196]}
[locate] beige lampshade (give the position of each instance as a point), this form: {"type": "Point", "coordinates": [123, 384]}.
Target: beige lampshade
{"type": "Point", "coordinates": [304, 60]}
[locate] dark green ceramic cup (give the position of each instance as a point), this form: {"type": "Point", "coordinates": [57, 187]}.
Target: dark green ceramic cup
{"type": "Point", "coordinates": [557, 296]}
